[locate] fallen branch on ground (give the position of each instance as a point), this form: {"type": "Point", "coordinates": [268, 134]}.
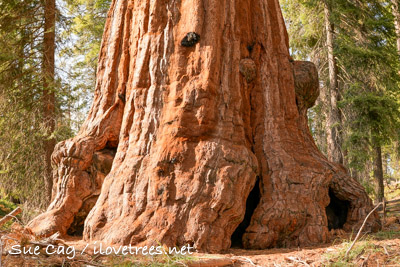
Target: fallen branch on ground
{"type": "Point", "coordinates": [9, 216]}
{"type": "Point", "coordinates": [362, 226]}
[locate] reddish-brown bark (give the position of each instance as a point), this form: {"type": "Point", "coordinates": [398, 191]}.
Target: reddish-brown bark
{"type": "Point", "coordinates": [194, 124]}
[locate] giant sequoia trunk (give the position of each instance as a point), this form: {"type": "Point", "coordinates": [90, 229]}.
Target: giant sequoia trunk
{"type": "Point", "coordinates": [197, 100]}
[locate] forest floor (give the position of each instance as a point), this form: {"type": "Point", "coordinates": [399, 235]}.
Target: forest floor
{"type": "Point", "coordinates": [378, 249]}
{"type": "Point", "coordinates": [373, 249]}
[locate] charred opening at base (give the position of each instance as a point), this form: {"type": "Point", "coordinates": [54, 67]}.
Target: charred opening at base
{"type": "Point", "coordinates": [77, 226]}
{"type": "Point", "coordinates": [336, 211]}
{"type": "Point", "coordinates": [251, 204]}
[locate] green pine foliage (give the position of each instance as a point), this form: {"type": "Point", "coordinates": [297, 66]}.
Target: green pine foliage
{"type": "Point", "coordinates": [22, 130]}
{"type": "Point", "coordinates": [84, 30]}
{"type": "Point", "coordinates": [369, 79]}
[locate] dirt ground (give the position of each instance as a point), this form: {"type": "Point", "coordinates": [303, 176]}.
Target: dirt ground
{"type": "Point", "coordinates": [329, 255]}
{"type": "Point", "coordinates": [380, 249]}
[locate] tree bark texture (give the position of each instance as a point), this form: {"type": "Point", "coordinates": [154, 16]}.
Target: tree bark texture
{"type": "Point", "coordinates": [334, 117]}
{"type": "Point", "coordinates": [48, 98]}
{"type": "Point", "coordinates": [198, 100]}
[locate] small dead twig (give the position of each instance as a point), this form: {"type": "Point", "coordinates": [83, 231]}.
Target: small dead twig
{"type": "Point", "coordinates": [9, 216]}
{"type": "Point", "coordinates": [298, 260]}
{"type": "Point", "coordinates": [53, 239]}
{"type": "Point", "coordinates": [359, 232]}
{"type": "Point", "coordinates": [245, 259]}
{"type": "Point", "coordinates": [94, 258]}
{"type": "Point", "coordinates": [386, 252]}
{"type": "Point", "coordinates": [365, 262]}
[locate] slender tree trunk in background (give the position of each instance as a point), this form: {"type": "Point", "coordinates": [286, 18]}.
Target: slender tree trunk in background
{"type": "Point", "coordinates": [334, 117]}
{"type": "Point", "coordinates": [321, 114]}
{"type": "Point", "coordinates": [320, 136]}
{"type": "Point", "coordinates": [396, 14]}
{"type": "Point", "coordinates": [198, 134]}
{"type": "Point", "coordinates": [48, 90]}
{"type": "Point", "coordinates": [378, 173]}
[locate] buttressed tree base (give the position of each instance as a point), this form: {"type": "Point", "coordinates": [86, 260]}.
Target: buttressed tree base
{"type": "Point", "coordinates": [197, 104]}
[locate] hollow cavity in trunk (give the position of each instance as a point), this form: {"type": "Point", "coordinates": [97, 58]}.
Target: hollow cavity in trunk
{"type": "Point", "coordinates": [336, 211]}
{"type": "Point", "coordinates": [251, 204]}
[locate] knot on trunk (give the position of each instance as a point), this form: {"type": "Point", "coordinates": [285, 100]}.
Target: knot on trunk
{"type": "Point", "coordinates": [248, 69]}
{"type": "Point", "coordinates": [190, 39]}
{"type": "Point", "coordinates": [77, 154]}
{"type": "Point", "coordinates": [306, 83]}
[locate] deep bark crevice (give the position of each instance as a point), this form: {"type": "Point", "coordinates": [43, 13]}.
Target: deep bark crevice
{"type": "Point", "coordinates": [77, 226]}
{"type": "Point", "coordinates": [336, 211]}
{"type": "Point", "coordinates": [101, 166]}
{"type": "Point", "coordinates": [251, 204]}
{"type": "Point", "coordinates": [112, 145]}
